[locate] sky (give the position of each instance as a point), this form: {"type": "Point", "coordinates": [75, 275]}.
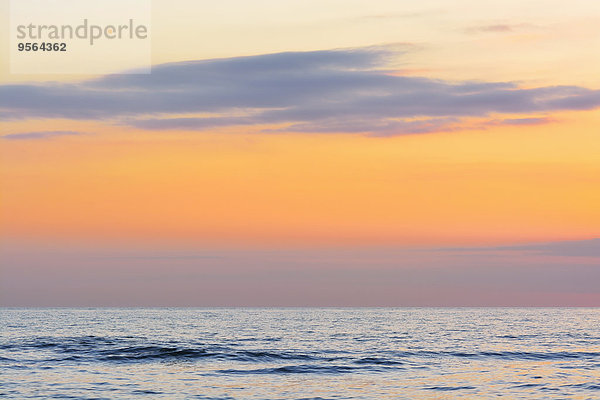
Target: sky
{"type": "Point", "coordinates": [313, 153]}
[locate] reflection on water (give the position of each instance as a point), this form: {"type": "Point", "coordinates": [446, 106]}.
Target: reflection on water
{"type": "Point", "coordinates": [406, 353]}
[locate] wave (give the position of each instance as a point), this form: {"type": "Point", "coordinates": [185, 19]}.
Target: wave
{"type": "Point", "coordinates": [91, 348]}
{"type": "Point", "coordinates": [294, 369]}
{"type": "Point", "coordinates": [378, 361]}
{"type": "Point", "coordinates": [141, 349]}
{"type": "Point", "coordinates": [449, 388]}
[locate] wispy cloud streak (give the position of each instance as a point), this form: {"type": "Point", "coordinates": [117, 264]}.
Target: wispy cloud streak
{"type": "Point", "coordinates": [39, 135]}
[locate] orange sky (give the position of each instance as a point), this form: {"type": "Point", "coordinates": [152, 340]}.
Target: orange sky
{"type": "Point", "coordinates": [503, 184]}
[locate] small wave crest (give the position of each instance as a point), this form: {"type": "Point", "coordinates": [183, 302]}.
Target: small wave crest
{"type": "Point", "coordinates": [131, 350]}
{"type": "Point", "coordinates": [294, 369]}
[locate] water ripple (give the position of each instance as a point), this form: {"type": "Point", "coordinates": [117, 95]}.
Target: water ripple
{"type": "Point", "coordinates": [300, 353]}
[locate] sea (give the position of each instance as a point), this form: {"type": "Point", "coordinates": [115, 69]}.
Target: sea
{"type": "Point", "coordinates": [300, 353]}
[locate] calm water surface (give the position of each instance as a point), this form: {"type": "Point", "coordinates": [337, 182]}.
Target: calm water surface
{"type": "Point", "coordinates": [404, 353]}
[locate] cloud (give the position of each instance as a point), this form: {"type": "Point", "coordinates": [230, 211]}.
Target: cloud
{"type": "Point", "coordinates": [526, 121]}
{"type": "Point", "coordinates": [492, 28]}
{"type": "Point", "coordinates": [39, 135]}
{"type": "Point", "coordinates": [496, 28]}
{"type": "Point", "coordinates": [574, 248]}
{"type": "Point", "coordinates": [383, 128]}
{"type": "Point", "coordinates": [349, 90]}
{"type": "Point", "coordinates": [569, 248]}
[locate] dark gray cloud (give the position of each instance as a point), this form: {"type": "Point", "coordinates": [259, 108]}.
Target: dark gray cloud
{"type": "Point", "coordinates": [320, 91]}
{"type": "Point", "coordinates": [39, 135]}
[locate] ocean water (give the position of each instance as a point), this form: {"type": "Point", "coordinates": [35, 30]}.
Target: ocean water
{"type": "Point", "coordinates": [382, 353]}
